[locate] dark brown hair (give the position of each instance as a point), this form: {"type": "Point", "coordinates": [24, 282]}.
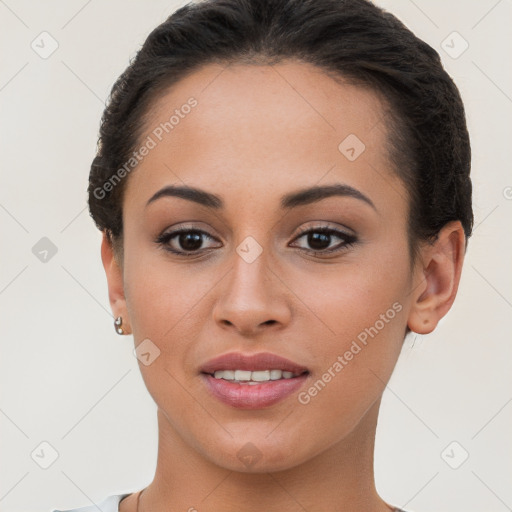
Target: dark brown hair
{"type": "Point", "coordinates": [351, 39]}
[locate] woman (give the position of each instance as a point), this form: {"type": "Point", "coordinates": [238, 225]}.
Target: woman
{"type": "Point", "coordinates": [284, 194]}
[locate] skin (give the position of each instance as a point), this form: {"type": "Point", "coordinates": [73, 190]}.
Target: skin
{"type": "Point", "coordinates": [258, 133]}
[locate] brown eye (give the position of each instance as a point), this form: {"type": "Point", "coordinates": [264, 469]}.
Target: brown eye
{"type": "Point", "coordinates": [184, 242]}
{"type": "Point", "coordinates": [319, 240]}
{"type": "Point", "coordinates": [190, 241]}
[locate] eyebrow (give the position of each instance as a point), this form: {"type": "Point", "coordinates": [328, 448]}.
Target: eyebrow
{"type": "Point", "coordinates": [292, 200]}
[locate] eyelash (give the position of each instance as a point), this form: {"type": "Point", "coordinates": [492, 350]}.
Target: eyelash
{"type": "Point", "coordinates": [349, 240]}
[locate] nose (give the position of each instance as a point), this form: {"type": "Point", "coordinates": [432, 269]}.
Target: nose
{"type": "Point", "coordinates": [252, 299]}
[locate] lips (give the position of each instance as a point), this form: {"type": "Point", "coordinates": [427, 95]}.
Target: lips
{"type": "Point", "coordinates": [227, 376]}
{"type": "Point", "coordinates": [257, 396]}
{"type": "Point", "coordinates": [251, 362]}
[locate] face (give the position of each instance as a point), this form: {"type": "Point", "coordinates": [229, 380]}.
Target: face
{"type": "Point", "coordinates": [322, 279]}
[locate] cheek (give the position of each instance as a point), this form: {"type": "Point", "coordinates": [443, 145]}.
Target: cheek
{"type": "Point", "coordinates": [164, 306]}
{"type": "Point", "coordinates": [353, 364]}
{"type": "Point", "coordinates": [161, 295]}
{"type": "Point", "coordinates": [357, 327]}
{"type": "Point", "coordinates": [170, 305]}
{"type": "Point", "coordinates": [347, 300]}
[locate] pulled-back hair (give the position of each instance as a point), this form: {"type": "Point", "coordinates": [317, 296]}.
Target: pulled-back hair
{"type": "Point", "coordinates": [349, 39]}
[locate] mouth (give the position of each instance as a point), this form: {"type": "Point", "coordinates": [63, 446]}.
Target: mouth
{"type": "Point", "coordinates": [252, 381]}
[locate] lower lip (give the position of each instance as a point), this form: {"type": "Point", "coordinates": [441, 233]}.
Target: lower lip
{"type": "Point", "coordinates": [253, 396]}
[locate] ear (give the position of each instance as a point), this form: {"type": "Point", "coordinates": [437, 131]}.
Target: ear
{"type": "Point", "coordinates": [115, 282]}
{"type": "Point", "coordinates": [438, 275]}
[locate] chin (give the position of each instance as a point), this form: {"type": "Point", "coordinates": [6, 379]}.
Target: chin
{"type": "Point", "coordinates": [258, 452]}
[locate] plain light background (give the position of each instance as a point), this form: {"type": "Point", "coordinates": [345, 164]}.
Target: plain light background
{"type": "Point", "coordinates": [68, 380]}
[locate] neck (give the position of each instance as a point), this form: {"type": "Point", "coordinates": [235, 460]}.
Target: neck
{"type": "Point", "coordinates": [340, 478]}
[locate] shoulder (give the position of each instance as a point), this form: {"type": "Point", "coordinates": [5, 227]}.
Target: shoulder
{"type": "Point", "coordinates": [109, 504]}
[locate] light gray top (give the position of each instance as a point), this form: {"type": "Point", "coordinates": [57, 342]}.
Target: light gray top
{"type": "Point", "coordinates": [111, 504]}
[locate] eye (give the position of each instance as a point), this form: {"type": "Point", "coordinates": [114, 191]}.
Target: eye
{"type": "Point", "coordinates": [184, 241]}
{"type": "Point", "coordinates": [320, 239]}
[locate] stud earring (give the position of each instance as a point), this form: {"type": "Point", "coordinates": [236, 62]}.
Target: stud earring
{"type": "Point", "coordinates": [117, 324]}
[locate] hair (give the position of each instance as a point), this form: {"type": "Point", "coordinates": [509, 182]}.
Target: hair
{"type": "Point", "coordinates": [351, 40]}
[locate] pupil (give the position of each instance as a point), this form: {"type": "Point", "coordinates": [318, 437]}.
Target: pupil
{"type": "Point", "coordinates": [190, 241]}
{"type": "Point", "coordinates": [314, 239]}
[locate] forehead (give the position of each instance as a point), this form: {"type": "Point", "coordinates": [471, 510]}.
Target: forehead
{"type": "Point", "coordinates": [289, 125]}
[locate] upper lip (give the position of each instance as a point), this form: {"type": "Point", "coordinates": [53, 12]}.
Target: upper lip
{"type": "Point", "coordinates": [251, 362]}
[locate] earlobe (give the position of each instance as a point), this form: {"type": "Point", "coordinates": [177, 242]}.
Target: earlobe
{"type": "Point", "coordinates": [115, 282]}
{"type": "Point", "coordinates": [441, 267]}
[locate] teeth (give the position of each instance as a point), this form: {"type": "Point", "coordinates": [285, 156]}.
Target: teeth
{"type": "Point", "coordinates": [242, 375]}
{"type": "Point", "coordinates": [260, 376]}
{"type": "Point", "coordinates": [253, 377]}
{"type": "Point", "coordinates": [275, 374]}
{"type": "Point", "coordinates": [228, 375]}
